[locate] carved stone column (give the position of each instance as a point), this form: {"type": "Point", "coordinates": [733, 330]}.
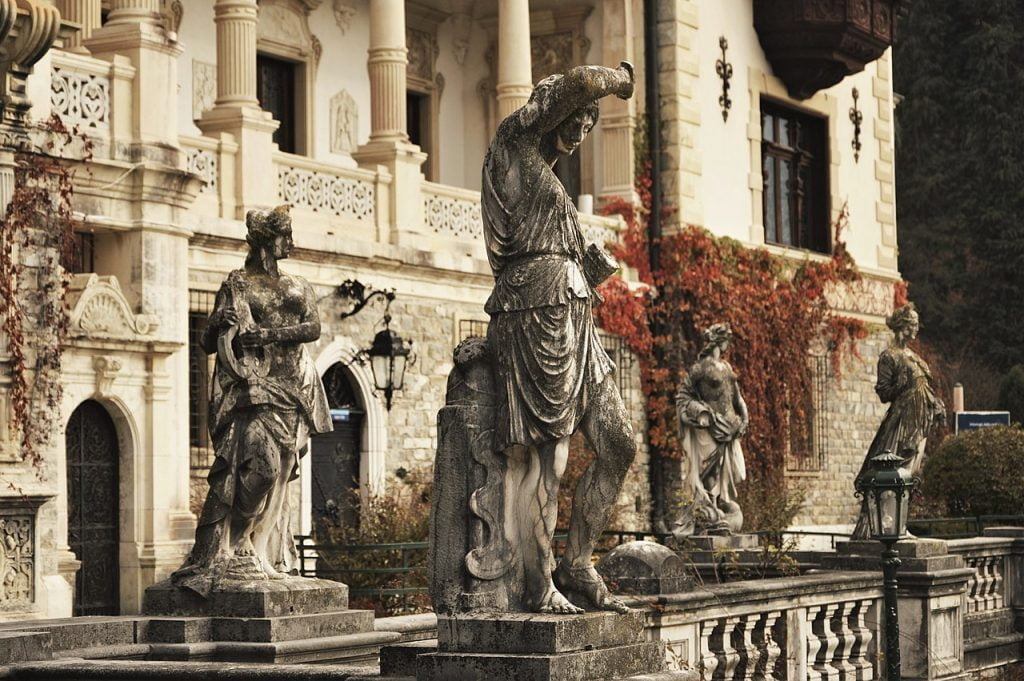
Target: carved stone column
{"type": "Point", "coordinates": [618, 116]}
{"type": "Point", "coordinates": [236, 52]}
{"type": "Point", "coordinates": [134, 12]}
{"type": "Point", "coordinates": [514, 69]}
{"type": "Point", "coordinates": [387, 64]}
{"type": "Point", "coordinates": [85, 13]}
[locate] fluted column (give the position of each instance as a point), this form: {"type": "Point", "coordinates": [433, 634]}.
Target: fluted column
{"type": "Point", "coordinates": [515, 77]}
{"type": "Point", "coordinates": [85, 13]}
{"type": "Point", "coordinates": [387, 63]}
{"type": "Point", "coordinates": [618, 116]}
{"type": "Point", "coordinates": [236, 51]}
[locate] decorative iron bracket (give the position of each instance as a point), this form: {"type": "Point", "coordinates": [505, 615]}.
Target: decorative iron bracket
{"type": "Point", "coordinates": [724, 70]}
{"type": "Point", "coordinates": [857, 118]}
{"type": "Point", "coordinates": [360, 295]}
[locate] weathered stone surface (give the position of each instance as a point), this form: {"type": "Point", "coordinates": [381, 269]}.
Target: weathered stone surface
{"type": "Point", "coordinates": [908, 548]}
{"type": "Point", "coordinates": [261, 629]}
{"type": "Point", "coordinates": [733, 542]}
{"type": "Point", "coordinates": [19, 646]}
{"type": "Point", "coordinates": [266, 598]}
{"type": "Point", "coordinates": [176, 630]}
{"type": "Point", "coordinates": [643, 567]}
{"type": "Point", "coordinates": [542, 634]}
{"type": "Point", "coordinates": [115, 670]}
{"type": "Point", "coordinates": [350, 647]}
{"type": "Point", "coordinates": [400, 659]}
{"type": "Point", "coordinates": [80, 632]}
{"type": "Point", "coordinates": [584, 665]}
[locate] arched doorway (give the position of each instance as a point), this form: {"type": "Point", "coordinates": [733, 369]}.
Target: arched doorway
{"type": "Point", "coordinates": [336, 456]}
{"type": "Point", "coordinates": [94, 508]}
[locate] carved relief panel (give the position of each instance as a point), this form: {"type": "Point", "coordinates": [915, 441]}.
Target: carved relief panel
{"type": "Point", "coordinates": [344, 123]}
{"type": "Point", "coordinates": [18, 552]}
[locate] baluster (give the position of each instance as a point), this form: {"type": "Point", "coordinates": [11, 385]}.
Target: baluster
{"type": "Point", "coordinates": [845, 639]}
{"type": "Point", "coordinates": [768, 650]}
{"type": "Point", "coordinates": [814, 643]}
{"type": "Point", "coordinates": [975, 585]}
{"type": "Point", "coordinates": [730, 652]}
{"type": "Point", "coordinates": [862, 637]}
{"type": "Point", "coordinates": [998, 582]}
{"type": "Point", "coordinates": [708, 656]}
{"type": "Point", "coordinates": [743, 645]}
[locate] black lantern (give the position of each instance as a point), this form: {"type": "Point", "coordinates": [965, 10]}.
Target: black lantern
{"type": "Point", "coordinates": [389, 354]}
{"type": "Point", "coordinates": [885, 491]}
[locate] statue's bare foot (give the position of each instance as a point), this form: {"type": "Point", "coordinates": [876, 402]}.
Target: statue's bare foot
{"type": "Point", "coordinates": [245, 548]}
{"type": "Point", "coordinates": [269, 569]}
{"type": "Point", "coordinates": [555, 603]}
{"type": "Point", "coordinates": [585, 582]}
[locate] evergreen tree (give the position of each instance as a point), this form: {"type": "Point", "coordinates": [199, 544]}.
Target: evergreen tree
{"type": "Point", "coordinates": [959, 66]}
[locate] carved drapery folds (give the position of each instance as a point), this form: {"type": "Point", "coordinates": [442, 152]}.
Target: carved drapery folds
{"type": "Point", "coordinates": [814, 44]}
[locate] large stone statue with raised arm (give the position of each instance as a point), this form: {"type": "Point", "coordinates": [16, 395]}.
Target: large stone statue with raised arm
{"type": "Point", "coordinates": [267, 400]}
{"type": "Point", "coordinates": [712, 419]}
{"type": "Point", "coordinates": [905, 382]}
{"type": "Point", "coordinates": [515, 399]}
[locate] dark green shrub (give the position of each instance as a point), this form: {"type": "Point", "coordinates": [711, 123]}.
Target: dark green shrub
{"type": "Point", "coordinates": [979, 472]}
{"type": "Point", "coordinates": [1011, 393]}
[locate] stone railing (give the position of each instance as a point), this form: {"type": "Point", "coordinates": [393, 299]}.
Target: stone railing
{"type": "Point", "coordinates": [201, 159]}
{"type": "Point", "coordinates": [994, 615]}
{"type": "Point", "coordinates": [331, 191]}
{"type": "Point", "coordinates": [451, 212]}
{"type": "Point", "coordinates": [821, 626]}
{"type": "Point", "coordinates": [599, 228]}
{"type": "Point", "coordinates": [80, 92]}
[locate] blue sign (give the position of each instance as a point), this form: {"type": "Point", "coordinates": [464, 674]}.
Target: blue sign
{"type": "Point", "coordinates": [972, 420]}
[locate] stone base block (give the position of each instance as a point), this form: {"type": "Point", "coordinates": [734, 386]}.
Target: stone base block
{"type": "Point", "coordinates": [618, 662]}
{"type": "Point", "coordinates": [347, 648]}
{"type": "Point", "coordinates": [263, 598]}
{"type": "Point", "coordinates": [724, 542]}
{"type": "Point", "coordinates": [514, 633]}
{"type": "Point", "coordinates": [259, 629]}
{"type": "Point", "coordinates": [21, 646]}
{"type": "Point", "coordinates": [400, 659]}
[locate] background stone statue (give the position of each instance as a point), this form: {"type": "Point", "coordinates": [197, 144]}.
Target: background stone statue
{"type": "Point", "coordinates": [906, 383]}
{"type": "Point", "coordinates": [542, 375]}
{"type": "Point", "coordinates": [267, 399]}
{"type": "Point", "coordinates": [712, 419]}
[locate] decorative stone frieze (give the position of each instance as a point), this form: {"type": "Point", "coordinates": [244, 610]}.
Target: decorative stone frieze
{"type": "Point", "coordinates": [319, 192]}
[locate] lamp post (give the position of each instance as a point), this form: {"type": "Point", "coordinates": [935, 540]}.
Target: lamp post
{"type": "Point", "coordinates": [885, 491]}
{"type": "Point", "coordinates": [389, 354]}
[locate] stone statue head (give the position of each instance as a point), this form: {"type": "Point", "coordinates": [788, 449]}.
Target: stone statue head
{"type": "Point", "coordinates": [715, 336]}
{"type": "Point", "coordinates": [571, 132]}
{"type": "Point", "coordinates": [904, 322]}
{"type": "Point", "coordinates": [269, 233]}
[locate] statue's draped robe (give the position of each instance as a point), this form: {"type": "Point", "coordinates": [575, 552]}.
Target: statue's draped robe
{"type": "Point", "coordinates": [549, 356]}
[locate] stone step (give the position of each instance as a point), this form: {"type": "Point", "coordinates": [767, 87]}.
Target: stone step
{"type": "Point", "coordinates": [349, 648]}
{"type": "Point", "coordinates": [400, 659]}
{"type": "Point", "coordinates": [126, 651]}
{"type": "Point", "coordinates": [24, 646]}
{"type": "Point", "coordinates": [115, 670]}
{"type": "Point", "coordinates": [618, 662]}
{"type": "Point", "coordinates": [71, 633]}
{"type": "Point", "coordinates": [268, 598]}
{"type": "Point", "coordinates": [533, 633]}
{"type": "Point", "coordinates": [688, 675]}
{"type": "Point", "coordinates": [257, 629]}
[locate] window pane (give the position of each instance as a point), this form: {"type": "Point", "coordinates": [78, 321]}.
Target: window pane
{"type": "Point", "coordinates": [771, 231]}
{"type": "Point", "coordinates": [767, 127]}
{"type": "Point", "coordinates": [785, 193]}
{"type": "Point", "coordinates": [784, 132]}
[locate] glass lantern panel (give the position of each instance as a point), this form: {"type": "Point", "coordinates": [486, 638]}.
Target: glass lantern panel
{"type": "Point", "coordinates": [904, 509]}
{"type": "Point", "coordinates": [398, 372]}
{"type": "Point", "coordinates": [888, 514]}
{"type": "Point", "coordinates": [380, 365]}
{"type": "Point", "coordinates": [873, 517]}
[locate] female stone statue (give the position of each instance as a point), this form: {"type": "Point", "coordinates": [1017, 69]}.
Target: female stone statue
{"type": "Point", "coordinates": [713, 418]}
{"type": "Point", "coordinates": [906, 383]}
{"type": "Point", "coordinates": [266, 401]}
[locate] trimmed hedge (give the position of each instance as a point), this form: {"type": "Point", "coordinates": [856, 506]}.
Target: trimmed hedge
{"type": "Point", "coordinates": [980, 472]}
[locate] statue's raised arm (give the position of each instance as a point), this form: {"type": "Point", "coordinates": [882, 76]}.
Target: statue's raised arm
{"type": "Point", "coordinates": [558, 97]}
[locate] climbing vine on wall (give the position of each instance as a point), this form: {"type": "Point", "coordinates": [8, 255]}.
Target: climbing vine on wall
{"type": "Point", "coordinates": [37, 254]}
{"type": "Point", "coordinates": [776, 307]}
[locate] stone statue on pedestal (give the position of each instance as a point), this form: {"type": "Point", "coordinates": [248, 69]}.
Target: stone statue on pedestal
{"type": "Point", "coordinates": [905, 382]}
{"type": "Point", "coordinates": [712, 419]}
{"type": "Point", "coordinates": [267, 400]}
{"type": "Point", "coordinates": [515, 399]}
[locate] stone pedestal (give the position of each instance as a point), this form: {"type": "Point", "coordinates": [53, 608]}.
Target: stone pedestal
{"type": "Point", "coordinates": [932, 583]}
{"type": "Point", "coordinates": [529, 647]}
{"type": "Point", "coordinates": [294, 620]}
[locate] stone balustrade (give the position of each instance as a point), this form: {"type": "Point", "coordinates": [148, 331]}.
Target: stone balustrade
{"type": "Point", "coordinates": [994, 613]}
{"type": "Point", "coordinates": [83, 91]}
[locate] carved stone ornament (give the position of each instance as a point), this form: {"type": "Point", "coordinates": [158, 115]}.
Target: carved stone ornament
{"type": "Point", "coordinates": [17, 551]}
{"type": "Point", "coordinates": [100, 310]}
{"type": "Point", "coordinates": [343, 14]}
{"type": "Point", "coordinates": [344, 123]}
{"type": "Point", "coordinates": [284, 27]}
{"type": "Point", "coordinates": [25, 37]}
{"type": "Point", "coordinates": [204, 87]}
{"type": "Point", "coordinates": [106, 370]}
{"type": "Point", "coordinates": [423, 51]}
{"type": "Point", "coordinates": [814, 44]}
{"type": "Point", "coordinates": [174, 12]}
